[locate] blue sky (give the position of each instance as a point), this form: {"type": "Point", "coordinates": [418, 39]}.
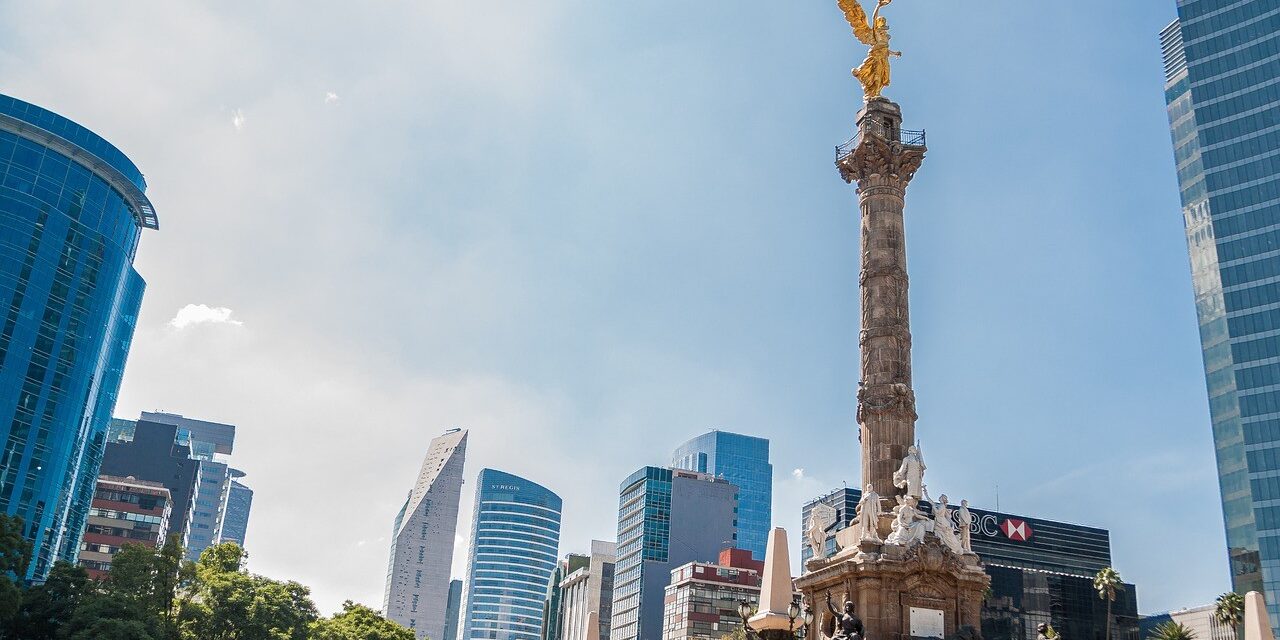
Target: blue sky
{"type": "Point", "coordinates": [588, 231]}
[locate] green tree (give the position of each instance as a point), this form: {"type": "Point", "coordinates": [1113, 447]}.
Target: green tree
{"type": "Point", "coordinates": [110, 616]}
{"type": "Point", "coordinates": [48, 607]}
{"type": "Point", "coordinates": [358, 622]}
{"type": "Point", "coordinates": [737, 634]}
{"type": "Point", "coordinates": [1228, 609]}
{"type": "Point", "coordinates": [228, 603]}
{"type": "Point", "coordinates": [1108, 583]}
{"type": "Point", "coordinates": [1172, 631]}
{"type": "Point", "coordinates": [15, 553]}
{"type": "Point", "coordinates": [15, 549]}
{"type": "Point", "coordinates": [150, 580]}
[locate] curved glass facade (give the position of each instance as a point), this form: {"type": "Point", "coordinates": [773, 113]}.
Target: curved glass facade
{"type": "Point", "coordinates": [69, 300]}
{"type": "Point", "coordinates": [515, 538]}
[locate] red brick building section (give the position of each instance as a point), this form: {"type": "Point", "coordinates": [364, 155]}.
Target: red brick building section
{"type": "Point", "coordinates": [124, 511]}
{"type": "Point", "coordinates": [702, 600]}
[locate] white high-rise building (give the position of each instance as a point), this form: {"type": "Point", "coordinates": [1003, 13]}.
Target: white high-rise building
{"type": "Point", "coordinates": [587, 590]}
{"type": "Point", "coordinates": [417, 591]}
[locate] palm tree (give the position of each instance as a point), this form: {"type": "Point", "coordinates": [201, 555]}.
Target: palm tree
{"type": "Point", "coordinates": [1172, 631]}
{"type": "Point", "coordinates": [1229, 610]}
{"type": "Point", "coordinates": [1107, 583]}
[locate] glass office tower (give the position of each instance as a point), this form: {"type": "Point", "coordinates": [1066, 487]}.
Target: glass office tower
{"type": "Point", "coordinates": [743, 461]}
{"type": "Point", "coordinates": [666, 518]}
{"type": "Point", "coordinates": [239, 502]}
{"type": "Point", "coordinates": [1222, 88]}
{"type": "Point", "coordinates": [515, 539]}
{"type": "Point", "coordinates": [72, 209]}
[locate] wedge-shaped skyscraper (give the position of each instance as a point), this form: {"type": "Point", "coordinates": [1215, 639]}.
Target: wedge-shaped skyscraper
{"type": "Point", "coordinates": [417, 592]}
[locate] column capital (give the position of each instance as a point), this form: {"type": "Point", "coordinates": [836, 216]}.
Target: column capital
{"type": "Point", "coordinates": [877, 163]}
{"type": "Point", "coordinates": [883, 155]}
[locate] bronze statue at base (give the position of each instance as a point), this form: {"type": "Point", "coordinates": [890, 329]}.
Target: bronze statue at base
{"type": "Point", "coordinates": [848, 626]}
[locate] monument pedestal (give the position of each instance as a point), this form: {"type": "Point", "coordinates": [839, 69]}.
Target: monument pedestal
{"type": "Point", "coordinates": [923, 590]}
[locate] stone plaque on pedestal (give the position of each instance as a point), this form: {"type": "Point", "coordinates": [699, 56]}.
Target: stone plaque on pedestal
{"type": "Point", "coordinates": [927, 623]}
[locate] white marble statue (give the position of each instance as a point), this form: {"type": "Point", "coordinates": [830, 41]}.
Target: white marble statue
{"type": "Point", "coordinates": [821, 517]}
{"type": "Point", "coordinates": [908, 525]}
{"type": "Point", "coordinates": [965, 518]}
{"type": "Point", "coordinates": [910, 475]}
{"type": "Point", "coordinates": [943, 527]}
{"type": "Point", "coordinates": [869, 515]}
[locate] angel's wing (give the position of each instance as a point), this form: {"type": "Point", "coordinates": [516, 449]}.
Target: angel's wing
{"type": "Point", "coordinates": [857, 17]}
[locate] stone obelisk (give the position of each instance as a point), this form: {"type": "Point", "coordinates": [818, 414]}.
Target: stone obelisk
{"type": "Point", "coordinates": [882, 162]}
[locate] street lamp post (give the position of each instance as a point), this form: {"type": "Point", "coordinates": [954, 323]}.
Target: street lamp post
{"type": "Point", "coordinates": [746, 609]}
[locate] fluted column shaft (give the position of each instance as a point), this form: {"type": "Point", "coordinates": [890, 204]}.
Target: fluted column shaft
{"type": "Point", "coordinates": [882, 167]}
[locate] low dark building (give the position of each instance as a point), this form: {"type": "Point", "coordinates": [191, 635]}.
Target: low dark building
{"type": "Point", "coordinates": [155, 455]}
{"type": "Point", "coordinates": [1041, 571]}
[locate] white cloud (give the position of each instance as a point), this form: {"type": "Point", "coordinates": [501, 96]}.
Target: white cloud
{"type": "Point", "coordinates": [330, 97]}
{"type": "Point", "coordinates": [798, 474]}
{"type": "Point", "coordinates": [202, 314]}
{"type": "Point", "coordinates": [237, 119]}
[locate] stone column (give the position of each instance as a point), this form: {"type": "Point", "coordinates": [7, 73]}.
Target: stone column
{"type": "Point", "coordinates": [882, 165]}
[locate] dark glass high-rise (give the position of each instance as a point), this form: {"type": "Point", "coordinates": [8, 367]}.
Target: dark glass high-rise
{"type": "Point", "coordinates": [1222, 88]}
{"type": "Point", "coordinates": [72, 208]}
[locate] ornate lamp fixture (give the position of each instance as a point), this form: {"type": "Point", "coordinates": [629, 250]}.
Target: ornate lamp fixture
{"type": "Point", "coordinates": [746, 609]}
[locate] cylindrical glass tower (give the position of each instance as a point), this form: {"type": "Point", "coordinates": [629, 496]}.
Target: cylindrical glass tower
{"type": "Point", "coordinates": [515, 539]}
{"type": "Point", "coordinates": [72, 209]}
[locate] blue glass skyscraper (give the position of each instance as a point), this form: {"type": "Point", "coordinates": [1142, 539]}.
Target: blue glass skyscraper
{"type": "Point", "coordinates": [72, 209]}
{"type": "Point", "coordinates": [515, 540]}
{"type": "Point", "coordinates": [743, 461]}
{"type": "Point", "coordinates": [1222, 68]}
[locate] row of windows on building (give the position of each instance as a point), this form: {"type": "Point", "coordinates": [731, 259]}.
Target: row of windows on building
{"type": "Point", "coordinates": [1195, 24]}
{"type": "Point", "coordinates": [1217, 57]}
{"type": "Point", "coordinates": [1246, 221]}
{"type": "Point", "coordinates": [125, 515]}
{"type": "Point", "coordinates": [1239, 127]}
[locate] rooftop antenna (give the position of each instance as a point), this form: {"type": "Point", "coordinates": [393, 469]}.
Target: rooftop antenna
{"type": "Point", "coordinates": [997, 497]}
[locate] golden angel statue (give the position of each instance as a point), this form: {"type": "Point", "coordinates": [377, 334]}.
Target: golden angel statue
{"type": "Point", "coordinates": [874, 72]}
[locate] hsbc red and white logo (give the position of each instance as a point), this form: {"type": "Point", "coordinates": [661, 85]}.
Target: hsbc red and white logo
{"type": "Point", "coordinates": [1016, 530]}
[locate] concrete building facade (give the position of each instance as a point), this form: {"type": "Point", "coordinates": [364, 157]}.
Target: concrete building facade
{"type": "Point", "coordinates": [124, 511]}
{"type": "Point", "coordinates": [553, 608]}
{"type": "Point", "coordinates": [588, 589]}
{"type": "Point", "coordinates": [418, 572]}
{"type": "Point", "coordinates": [701, 603]}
